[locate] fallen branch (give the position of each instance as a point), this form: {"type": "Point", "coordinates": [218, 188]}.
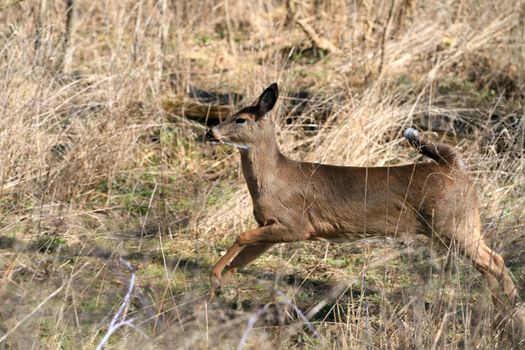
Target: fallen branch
{"type": "Point", "coordinates": [195, 110]}
{"type": "Point", "coordinates": [320, 42]}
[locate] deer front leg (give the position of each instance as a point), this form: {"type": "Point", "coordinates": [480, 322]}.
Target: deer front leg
{"type": "Point", "coordinates": [216, 272]}
{"type": "Point", "coordinates": [248, 254]}
{"type": "Point", "coordinates": [261, 238]}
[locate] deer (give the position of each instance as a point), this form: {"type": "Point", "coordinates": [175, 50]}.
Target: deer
{"type": "Point", "coordinates": [297, 201]}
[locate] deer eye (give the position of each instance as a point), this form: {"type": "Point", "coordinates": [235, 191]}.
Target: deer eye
{"type": "Point", "coordinates": [240, 121]}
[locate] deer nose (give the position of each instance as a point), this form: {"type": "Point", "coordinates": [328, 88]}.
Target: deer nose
{"type": "Point", "coordinates": [209, 135]}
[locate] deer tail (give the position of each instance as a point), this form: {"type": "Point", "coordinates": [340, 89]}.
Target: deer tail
{"type": "Point", "coordinates": [443, 154]}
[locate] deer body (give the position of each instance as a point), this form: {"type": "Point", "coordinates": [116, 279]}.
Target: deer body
{"type": "Point", "coordinates": [325, 202]}
{"type": "Point", "coordinates": [296, 201]}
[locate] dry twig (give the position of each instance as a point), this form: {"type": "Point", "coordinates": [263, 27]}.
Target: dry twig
{"type": "Point", "coordinates": [119, 320]}
{"type": "Point", "coordinates": [320, 42]}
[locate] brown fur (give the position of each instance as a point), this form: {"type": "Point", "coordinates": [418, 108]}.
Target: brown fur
{"type": "Point", "coordinates": [296, 201]}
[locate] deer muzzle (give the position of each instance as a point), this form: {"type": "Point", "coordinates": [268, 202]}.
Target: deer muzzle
{"type": "Point", "coordinates": [211, 136]}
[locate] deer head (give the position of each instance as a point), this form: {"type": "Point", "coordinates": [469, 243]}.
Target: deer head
{"type": "Point", "coordinates": [249, 127]}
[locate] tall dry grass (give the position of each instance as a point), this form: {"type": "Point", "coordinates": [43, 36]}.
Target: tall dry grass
{"type": "Point", "coordinates": [93, 168]}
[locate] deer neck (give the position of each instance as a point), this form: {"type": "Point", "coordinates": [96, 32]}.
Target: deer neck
{"type": "Point", "coordinates": [260, 164]}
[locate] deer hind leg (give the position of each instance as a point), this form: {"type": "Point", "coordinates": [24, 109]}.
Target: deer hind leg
{"type": "Point", "coordinates": [492, 266]}
{"type": "Point", "coordinates": [246, 255]}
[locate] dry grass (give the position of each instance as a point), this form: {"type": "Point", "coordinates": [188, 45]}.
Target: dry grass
{"type": "Point", "coordinates": [92, 168]}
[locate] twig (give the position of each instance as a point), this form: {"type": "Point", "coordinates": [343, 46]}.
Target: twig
{"type": "Point", "coordinates": [67, 51]}
{"type": "Point", "coordinates": [39, 306]}
{"type": "Point", "coordinates": [334, 293]}
{"type": "Point", "coordinates": [320, 42]}
{"type": "Point", "coordinates": [40, 23]}
{"type": "Point", "coordinates": [440, 330]}
{"type": "Point", "coordinates": [229, 27]}
{"type": "Point", "coordinates": [343, 286]}
{"type": "Point", "coordinates": [383, 38]}
{"type": "Point", "coordinates": [300, 314]}
{"type": "Point", "coordinates": [9, 4]}
{"type": "Point", "coordinates": [367, 320]}
{"type": "Point", "coordinates": [119, 319]}
{"type": "Point", "coordinates": [50, 296]}
{"type": "Point", "coordinates": [260, 312]}
{"type": "Point", "coordinates": [249, 326]}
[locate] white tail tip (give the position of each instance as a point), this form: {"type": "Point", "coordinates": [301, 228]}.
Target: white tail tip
{"type": "Point", "coordinates": [411, 134]}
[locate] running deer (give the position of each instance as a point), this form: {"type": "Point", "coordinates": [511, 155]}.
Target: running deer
{"type": "Point", "coordinates": [296, 201]}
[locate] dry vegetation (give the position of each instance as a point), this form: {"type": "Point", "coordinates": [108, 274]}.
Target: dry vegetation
{"type": "Point", "coordinates": [94, 168]}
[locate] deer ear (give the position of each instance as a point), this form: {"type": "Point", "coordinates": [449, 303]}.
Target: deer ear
{"type": "Point", "coordinates": [267, 99]}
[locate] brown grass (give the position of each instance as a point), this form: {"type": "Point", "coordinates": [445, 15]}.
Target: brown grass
{"type": "Point", "coordinates": [92, 168]}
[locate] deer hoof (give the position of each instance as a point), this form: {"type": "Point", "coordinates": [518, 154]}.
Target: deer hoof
{"type": "Point", "coordinates": [227, 277]}
{"type": "Point", "coordinates": [215, 289]}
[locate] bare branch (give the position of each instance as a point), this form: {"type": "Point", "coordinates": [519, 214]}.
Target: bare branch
{"type": "Point", "coordinates": [119, 320]}
{"type": "Point", "coordinates": [320, 42]}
